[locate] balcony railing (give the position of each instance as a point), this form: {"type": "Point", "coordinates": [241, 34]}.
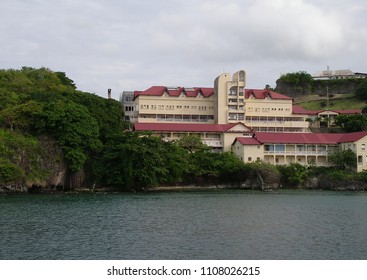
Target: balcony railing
{"type": "Point", "coordinates": [297, 153]}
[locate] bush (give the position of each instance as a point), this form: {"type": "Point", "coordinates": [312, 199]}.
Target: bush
{"type": "Point", "coordinates": [293, 175]}
{"type": "Point", "coordinates": [10, 173]}
{"type": "Point", "coordinates": [268, 172]}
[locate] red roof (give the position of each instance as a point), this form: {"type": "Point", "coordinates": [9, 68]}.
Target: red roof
{"type": "Point", "coordinates": [352, 137]}
{"type": "Point", "coordinates": [248, 141]}
{"type": "Point", "coordinates": [296, 109]}
{"type": "Point", "coordinates": [348, 112]}
{"type": "Point", "coordinates": [302, 138]}
{"type": "Point", "coordinates": [183, 127]}
{"type": "Point", "coordinates": [300, 110]}
{"type": "Point", "coordinates": [298, 138]}
{"type": "Point", "coordinates": [264, 93]}
{"type": "Point", "coordinates": [175, 91]}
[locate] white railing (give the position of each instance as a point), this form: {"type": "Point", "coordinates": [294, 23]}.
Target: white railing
{"type": "Point", "coordinates": [297, 153]}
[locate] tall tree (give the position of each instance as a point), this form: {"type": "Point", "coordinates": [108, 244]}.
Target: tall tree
{"type": "Point", "coordinates": [351, 123]}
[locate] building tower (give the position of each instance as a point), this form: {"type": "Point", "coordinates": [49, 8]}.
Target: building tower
{"type": "Point", "coordinates": [229, 98]}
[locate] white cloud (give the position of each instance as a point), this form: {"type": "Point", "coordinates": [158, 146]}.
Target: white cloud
{"type": "Point", "coordinates": [129, 45]}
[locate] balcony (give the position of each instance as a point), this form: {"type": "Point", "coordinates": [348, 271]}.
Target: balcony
{"type": "Point", "coordinates": [212, 142]}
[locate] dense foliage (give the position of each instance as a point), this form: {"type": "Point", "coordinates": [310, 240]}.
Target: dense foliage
{"type": "Point", "coordinates": [301, 83]}
{"type": "Point", "coordinates": [351, 123]}
{"type": "Point", "coordinates": [343, 159]}
{"type": "Point", "coordinates": [140, 160]}
{"type": "Point", "coordinates": [35, 102]}
{"type": "Point", "coordinates": [297, 79]}
{"type": "Point", "coordinates": [361, 91]}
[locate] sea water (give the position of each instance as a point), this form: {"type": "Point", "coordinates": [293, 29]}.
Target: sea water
{"type": "Point", "coordinates": [223, 224]}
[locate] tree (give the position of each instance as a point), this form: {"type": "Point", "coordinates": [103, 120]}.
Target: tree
{"type": "Point", "coordinates": [191, 143]}
{"type": "Point", "coordinates": [361, 91]}
{"type": "Point", "coordinates": [73, 127]}
{"type": "Point", "coordinates": [351, 123]}
{"type": "Point", "coordinates": [293, 174]}
{"type": "Point", "coordinates": [20, 117]}
{"type": "Point", "coordinates": [134, 161]}
{"type": "Point", "coordinates": [343, 159]}
{"type": "Point", "coordinates": [300, 79]}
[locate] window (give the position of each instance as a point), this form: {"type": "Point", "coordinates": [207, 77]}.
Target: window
{"type": "Point", "coordinates": [233, 91]}
{"type": "Point", "coordinates": [363, 147]}
{"type": "Point", "coordinates": [249, 159]}
{"type": "Point", "coordinates": [360, 160]}
{"type": "Point", "coordinates": [232, 116]}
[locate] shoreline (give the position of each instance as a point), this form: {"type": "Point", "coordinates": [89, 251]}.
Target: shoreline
{"type": "Point", "coordinates": [182, 188]}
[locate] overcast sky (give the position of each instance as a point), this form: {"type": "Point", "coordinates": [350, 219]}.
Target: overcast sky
{"type": "Point", "coordinates": [134, 44]}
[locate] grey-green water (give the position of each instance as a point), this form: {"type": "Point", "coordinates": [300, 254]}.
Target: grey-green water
{"type": "Point", "coordinates": [185, 225]}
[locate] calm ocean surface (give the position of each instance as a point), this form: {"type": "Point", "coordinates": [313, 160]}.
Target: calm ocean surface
{"type": "Point", "coordinates": [224, 224]}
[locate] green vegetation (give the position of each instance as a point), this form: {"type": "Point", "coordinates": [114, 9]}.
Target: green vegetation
{"type": "Point", "coordinates": [40, 102]}
{"type": "Point", "coordinates": [361, 91]}
{"type": "Point", "coordinates": [20, 156]}
{"type": "Point", "coordinates": [299, 80]}
{"type": "Point", "coordinates": [351, 123]}
{"type": "Point", "coordinates": [338, 102]}
{"type": "Point", "coordinates": [312, 94]}
{"type": "Point", "coordinates": [343, 159]}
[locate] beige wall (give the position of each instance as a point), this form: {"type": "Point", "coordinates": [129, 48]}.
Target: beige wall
{"type": "Point", "coordinates": [273, 115]}
{"type": "Point", "coordinates": [360, 148]}
{"type": "Point", "coordinates": [268, 107]}
{"type": "Point", "coordinates": [292, 153]}
{"type": "Point", "coordinates": [153, 108]}
{"type": "Point", "coordinates": [229, 97]}
{"type": "Point", "coordinates": [249, 154]}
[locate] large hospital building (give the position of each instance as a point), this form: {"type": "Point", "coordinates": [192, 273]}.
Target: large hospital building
{"type": "Point", "coordinates": [256, 124]}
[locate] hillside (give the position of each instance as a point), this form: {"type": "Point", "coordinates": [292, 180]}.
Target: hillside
{"type": "Point", "coordinates": [312, 94]}
{"type": "Point", "coordinates": [49, 130]}
{"type": "Point", "coordinates": [337, 102]}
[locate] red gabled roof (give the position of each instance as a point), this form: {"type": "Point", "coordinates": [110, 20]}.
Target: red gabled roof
{"type": "Point", "coordinates": [296, 109]}
{"type": "Point", "coordinates": [248, 141]}
{"type": "Point", "coordinates": [300, 110]}
{"type": "Point", "coordinates": [175, 91]}
{"type": "Point", "coordinates": [298, 138]}
{"type": "Point", "coordinates": [349, 112]}
{"type": "Point", "coordinates": [207, 91]}
{"type": "Point", "coordinates": [183, 127]}
{"type": "Point", "coordinates": [352, 137]}
{"type": "Point", "coordinates": [264, 93]}
{"type": "Point", "coordinates": [301, 138]}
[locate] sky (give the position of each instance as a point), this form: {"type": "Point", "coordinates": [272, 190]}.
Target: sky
{"type": "Point", "coordinates": [134, 44]}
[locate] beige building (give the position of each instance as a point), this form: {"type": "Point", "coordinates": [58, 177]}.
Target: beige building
{"type": "Point", "coordinates": [269, 111]}
{"type": "Point", "coordinates": [229, 99]}
{"type": "Point", "coordinates": [228, 102]}
{"type": "Point", "coordinates": [179, 105]}
{"type": "Point", "coordinates": [254, 124]}
{"type": "Point", "coordinates": [303, 148]}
